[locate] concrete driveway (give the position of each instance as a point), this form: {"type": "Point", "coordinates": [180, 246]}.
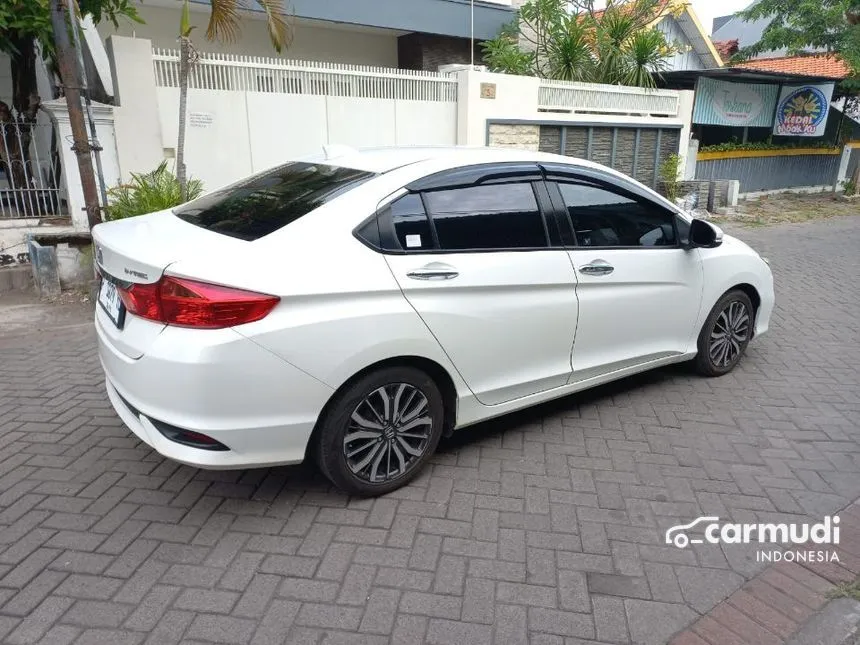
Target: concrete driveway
{"type": "Point", "coordinates": [545, 527]}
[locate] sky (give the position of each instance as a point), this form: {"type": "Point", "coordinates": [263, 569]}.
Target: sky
{"type": "Point", "coordinates": [707, 10]}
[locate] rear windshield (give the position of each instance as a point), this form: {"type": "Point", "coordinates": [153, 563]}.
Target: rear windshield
{"type": "Point", "coordinates": [269, 201]}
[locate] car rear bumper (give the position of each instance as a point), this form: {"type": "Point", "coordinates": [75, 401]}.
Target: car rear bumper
{"type": "Point", "coordinates": [218, 383]}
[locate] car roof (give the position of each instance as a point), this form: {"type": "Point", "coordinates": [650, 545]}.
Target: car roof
{"type": "Point", "coordinates": [386, 159]}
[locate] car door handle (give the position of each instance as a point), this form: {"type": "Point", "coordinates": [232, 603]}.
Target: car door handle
{"type": "Point", "coordinates": [598, 267]}
{"type": "Point", "coordinates": [434, 271]}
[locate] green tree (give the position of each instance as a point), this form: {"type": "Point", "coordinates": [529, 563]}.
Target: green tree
{"type": "Point", "coordinates": [25, 31]}
{"type": "Point", "coordinates": [616, 45]}
{"type": "Point", "coordinates": [803, 25]}
{"type": "Point", "coordinates": [800, 26]}
{"type": "Point", "coordinates": [223, 26]}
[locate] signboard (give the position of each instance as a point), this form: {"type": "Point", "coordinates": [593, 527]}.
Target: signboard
{"type": "Point", "coordinates": [802, 110]}
{"type": "Point", "coordinates": [746, 105]}
{"type": "Point", "coordinates": [200, 119]}
{"type": "Point", "coordinates": [488, 90]}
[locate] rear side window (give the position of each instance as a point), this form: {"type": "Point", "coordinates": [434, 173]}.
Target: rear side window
{"type": "Point", "coordinates": [411, 225]}
{"type": "Point", "coordinates": [500, 216]}
{"type": "Point", "coordinates": [269, 201]}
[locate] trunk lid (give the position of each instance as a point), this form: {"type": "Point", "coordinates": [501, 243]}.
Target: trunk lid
{"type": "Point", "coordinates": [138, 250]}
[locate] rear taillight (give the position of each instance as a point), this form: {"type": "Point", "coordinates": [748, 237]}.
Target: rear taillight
{"type": "Point", "coordinates": [189, 303]}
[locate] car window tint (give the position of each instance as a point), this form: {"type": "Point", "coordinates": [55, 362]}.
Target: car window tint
{"type": "Point", "coordinates": [271, 200]}
{"type": "Point", "coordinates": [411, 225]}
{"type": "Point", "coordinates": [601, 217]}
{"type": "Point", "coordinates": [501, 216]}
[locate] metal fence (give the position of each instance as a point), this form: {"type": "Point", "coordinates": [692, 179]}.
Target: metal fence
{"type": "Point", "coordinates": [853, 163]}
{"type": "Point", "coordinates": [30, 177]}
{"type": "Point", "coordinates": [773, 173]}
{"type": "Point", "coordinates": [568, 96]}
{"type": "Point", "coordinates": [231, 72]}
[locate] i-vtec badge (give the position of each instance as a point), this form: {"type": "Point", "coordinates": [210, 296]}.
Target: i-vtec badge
{"type": "Point", "coordinates": [136, 274]}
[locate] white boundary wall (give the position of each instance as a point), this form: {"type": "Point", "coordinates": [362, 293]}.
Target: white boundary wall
{"type": "Point", "coordinates": [246, 114]}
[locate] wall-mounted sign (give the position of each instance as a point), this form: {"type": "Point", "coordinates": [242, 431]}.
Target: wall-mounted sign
{"type": "Point", "coordinates": [488, 90]}
{"type": "Point", "coordinates": [747, 105]}
{"type": "Point", "coordinates": [200, 119]}
{"type": "Point", "coordinates": [802, 110]}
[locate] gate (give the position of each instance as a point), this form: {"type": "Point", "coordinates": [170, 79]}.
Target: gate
{"type": "Point", "coordinates": [30, 177]}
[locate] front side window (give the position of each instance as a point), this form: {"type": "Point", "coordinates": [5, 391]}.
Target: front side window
{"type": "Point", "coordinates": [602, 217]}
{"type": "Point", "coordinates": [271, 200]}
{"type": "Point", "coordinates": [499, 216]}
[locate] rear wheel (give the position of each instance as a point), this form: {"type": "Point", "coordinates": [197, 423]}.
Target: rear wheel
{"type": "Point", "coordinates": [725, 334]}
{"type": "Point", "coordinates": [380, 431]}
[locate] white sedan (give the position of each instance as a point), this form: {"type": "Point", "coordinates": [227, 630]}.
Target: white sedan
{"type": "Point", "coordinates": [357, 306]}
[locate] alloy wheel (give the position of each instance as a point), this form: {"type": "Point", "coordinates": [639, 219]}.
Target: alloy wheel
{"type": "Point", "coordinates": [730, 333]}
{"type": "Point", "coordinates": [389, 431]}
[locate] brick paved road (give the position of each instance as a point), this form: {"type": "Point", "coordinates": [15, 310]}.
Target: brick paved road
{"type": "Point", "coordinates": [544, 527]}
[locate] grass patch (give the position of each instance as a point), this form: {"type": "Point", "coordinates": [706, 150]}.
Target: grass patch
{"type": "Point", "coordinates": [792, 209]}
{"type": "Point", "coordinates": [846, 590]}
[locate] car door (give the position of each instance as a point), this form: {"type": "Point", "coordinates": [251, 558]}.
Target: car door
{"type": "Point", "coordinates": [639, 288]}
{"type": "Point", "coordinates": [475, 258]}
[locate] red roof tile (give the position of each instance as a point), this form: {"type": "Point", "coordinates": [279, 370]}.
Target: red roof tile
{"type": "Point", "coordinates": [727, 48]}
{"type": "Point", "coordinates": [810, 65]}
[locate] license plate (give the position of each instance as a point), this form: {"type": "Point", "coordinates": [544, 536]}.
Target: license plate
{"type": "Point", "coordinates": [111, 302]}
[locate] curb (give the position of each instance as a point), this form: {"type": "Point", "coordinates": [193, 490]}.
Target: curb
{"type": "Point", "coordinates": [787, 603]}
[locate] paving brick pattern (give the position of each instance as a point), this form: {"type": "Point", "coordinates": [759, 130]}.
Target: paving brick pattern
{"type": "Point", "coordinates": [545, 527]}
{"type": "Point", "coordinates": [772, 606]}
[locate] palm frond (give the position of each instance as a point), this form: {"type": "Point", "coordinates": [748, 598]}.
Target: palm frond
{"type": "Point", "coordinates": [148, 193]}
{"type": "Point", "coordinates": [224, 17]}
{"type": "Point", "coordinates": [280, 30]}
{"type": "Point", "coordinates": [570, 51]}
{"type": "Point", "coordinates": [644, 57]}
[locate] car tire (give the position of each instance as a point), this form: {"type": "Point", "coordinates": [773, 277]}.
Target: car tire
{"type": "Point", "coordinates": [725, 335]}
{"type": "Point", "coordinates": [382, 456]}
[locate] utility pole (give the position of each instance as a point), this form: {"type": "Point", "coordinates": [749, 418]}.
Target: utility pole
{"type": "Point", "coordinates": [67, 64]}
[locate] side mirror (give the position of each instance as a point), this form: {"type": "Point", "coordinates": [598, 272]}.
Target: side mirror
{"type": "Point", "coordinates": [704, 235]}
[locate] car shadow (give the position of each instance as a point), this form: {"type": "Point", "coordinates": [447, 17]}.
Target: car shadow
{"type": "Point", "coordinates": [535, 414]}
{"type": "Point", "coordinates": [304, 483]}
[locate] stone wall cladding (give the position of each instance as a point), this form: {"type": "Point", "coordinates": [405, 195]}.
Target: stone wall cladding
{"type": "Point", "coordinates": [550, 139]}
{"type": "Point", "coordinates": [524, 137]}
{"type": "Point", "coordinates": [639, 165]}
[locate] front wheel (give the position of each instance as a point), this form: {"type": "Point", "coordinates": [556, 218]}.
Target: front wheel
{"type": "Point", "coordinates": [725, 334]}
{"type": "Point", "coordinates": [380, 431]}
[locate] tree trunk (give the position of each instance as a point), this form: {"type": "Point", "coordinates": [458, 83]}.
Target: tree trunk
{"type": "Point", "coordinates": [184, 63]}
{"type": "Point", "coordinates": [67, 64]}
{"type": "Point", "coordinates": [23, 67]}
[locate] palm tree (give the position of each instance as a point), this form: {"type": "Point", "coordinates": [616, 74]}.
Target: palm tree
{"type": "Point", "coordinates": [224, 19]}
{"type": "Point", "coordinates": [617, 46]}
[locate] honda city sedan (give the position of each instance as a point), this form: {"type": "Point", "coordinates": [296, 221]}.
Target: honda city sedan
{"type": "Point", "coordinates": [356, 306]}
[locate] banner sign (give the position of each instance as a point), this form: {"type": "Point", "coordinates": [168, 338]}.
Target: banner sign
{"type": "Point", "coordinates": [734, 104]}
{"type": "Point", "coordinates": [802, 110]}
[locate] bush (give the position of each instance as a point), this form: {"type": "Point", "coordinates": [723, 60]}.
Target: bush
{"type": "Point", "coordinates": [148, 193]}
{"type": "Point", "coordinates": [670, 171]}
{"type": "Point", "coordinates": [765, 145]}
{"type": "Point", "coordinates": [849, 187]}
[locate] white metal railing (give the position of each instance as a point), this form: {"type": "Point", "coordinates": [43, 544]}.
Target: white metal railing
{"type": "Point", "coordinates": [255, 74]}
{"type": "Point", "coordinates": [607, 99]}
